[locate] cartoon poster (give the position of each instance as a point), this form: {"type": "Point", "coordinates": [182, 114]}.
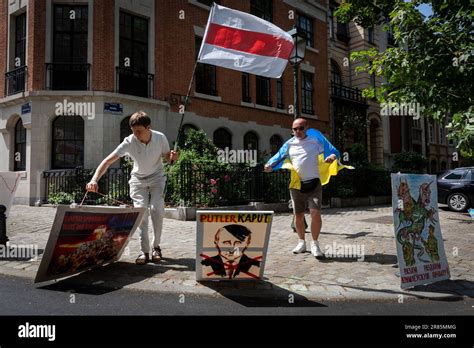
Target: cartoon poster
{"type": "Point", "coordinates": [85, 237]}
{"type": "Point", "coordinates": [8, 185]}
{"type": "Point", "coordinates": [232, 245]}
{"type": "Point", "coordinates": [420, 247]}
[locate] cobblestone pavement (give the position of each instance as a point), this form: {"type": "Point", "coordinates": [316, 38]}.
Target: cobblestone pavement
{"type": "Point", "coordinates": [374, 277]}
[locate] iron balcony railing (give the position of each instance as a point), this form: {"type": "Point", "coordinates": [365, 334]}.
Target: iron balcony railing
{"type": "Point", "coordinates": [15, 80]}
{"type": "Point", "coordinates": [347, 93]}
{"type": "Point", "coordinates": [133, 82]}
{"type": "Point", "coordinates": [68, 76]}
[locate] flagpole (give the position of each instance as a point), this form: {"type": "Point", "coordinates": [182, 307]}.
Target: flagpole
{"type": "Point", "coordinates": [186, 100]}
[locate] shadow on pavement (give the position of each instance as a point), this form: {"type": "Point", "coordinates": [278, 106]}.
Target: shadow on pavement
{"type": "Point", "coordinates": [463, 221]}
{"type": "Point", "coordinates": [448, 290]}
{"type": "Point", "coordinates": [381, 259]}
{"type": "Point", "coordinates": [459, 287]}
{"type": "Point", "coordinates": [115, 276]}
{"type": "Point", "coordinates": [259, 294]}
{"type": "Point", "coordinates": [353, 235]}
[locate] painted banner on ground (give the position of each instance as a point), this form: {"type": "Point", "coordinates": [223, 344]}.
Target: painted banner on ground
{"type": "Point", "coordinates": [8, 185]}
{"type": "Point", "coordinates": [85, 237]}
{"type": "Point", "coordinates": [420, 247]}
{"type": "Point", "coordinates": [232, 245]}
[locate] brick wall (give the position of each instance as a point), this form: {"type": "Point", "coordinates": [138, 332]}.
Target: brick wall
{"type": "Point", "coordinates": [103, 67]}
{"type": "Point", "coordinates": [36, 18]}
{"type": "Point", "coordinates": [175, 58]}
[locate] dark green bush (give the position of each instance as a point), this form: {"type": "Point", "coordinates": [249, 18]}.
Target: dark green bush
{"type": "Point", "coordinates": [409, 162]}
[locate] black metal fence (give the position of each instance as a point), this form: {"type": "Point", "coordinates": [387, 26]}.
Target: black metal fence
{"type": "Point", "coordinates": [194, 186]}
{"type": "Point", "coordinates": [187, 185]}
{"type": "Point", "coordinates": [68, 185]}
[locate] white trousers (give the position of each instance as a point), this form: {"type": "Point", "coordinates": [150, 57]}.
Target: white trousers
{"type": "Point", "coordinates": [149, 194]}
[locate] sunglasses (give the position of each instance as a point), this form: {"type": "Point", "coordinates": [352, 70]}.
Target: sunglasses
{"type": "Point", "coordinates": [298, 129]}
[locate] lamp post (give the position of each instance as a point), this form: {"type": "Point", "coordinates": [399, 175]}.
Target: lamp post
{"type": "Point", "coordinates": [296, 57]}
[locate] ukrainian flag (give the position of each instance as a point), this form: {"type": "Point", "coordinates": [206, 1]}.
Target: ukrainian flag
{"type": "Point", "coordinates": [281, 160]}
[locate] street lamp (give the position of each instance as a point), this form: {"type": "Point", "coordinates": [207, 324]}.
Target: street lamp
{"type": "Point", "coordinates": [296, 57]}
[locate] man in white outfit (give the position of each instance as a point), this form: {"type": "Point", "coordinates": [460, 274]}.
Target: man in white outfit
{"type": "Point", "coordinates": [303, 152]}
{"type": "Point", "coordinates": [146, 147]}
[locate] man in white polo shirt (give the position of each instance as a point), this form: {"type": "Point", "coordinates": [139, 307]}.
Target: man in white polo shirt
{"type": "Point", "coordinates": [146, 147]}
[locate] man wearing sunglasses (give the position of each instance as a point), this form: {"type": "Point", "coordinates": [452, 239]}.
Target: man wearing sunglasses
{"type": "Point", "coordinates": [301, 155]}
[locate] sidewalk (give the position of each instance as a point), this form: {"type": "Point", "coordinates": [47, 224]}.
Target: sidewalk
{"type": "Point", "coordinates": [286, 275]}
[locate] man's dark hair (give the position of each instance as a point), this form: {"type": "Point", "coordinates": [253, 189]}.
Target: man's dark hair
{"type": "Point", "coordinates": [238, 231]}
{"type": "Point", "coordinates": [139, 118]}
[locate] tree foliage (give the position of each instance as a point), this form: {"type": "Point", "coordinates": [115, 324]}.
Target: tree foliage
{"type": "Point", "coordinates": [431, 63]}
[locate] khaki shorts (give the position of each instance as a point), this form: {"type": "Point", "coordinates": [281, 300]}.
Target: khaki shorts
{"type": "Point", "coordinates": [312, 198]}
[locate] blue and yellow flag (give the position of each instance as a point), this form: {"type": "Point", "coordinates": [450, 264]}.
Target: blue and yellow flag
{"type": "Point", "coordinates": [281, 160]}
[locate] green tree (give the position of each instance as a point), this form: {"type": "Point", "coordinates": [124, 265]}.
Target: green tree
{"type": "Point", "coordinates": [432, 63]}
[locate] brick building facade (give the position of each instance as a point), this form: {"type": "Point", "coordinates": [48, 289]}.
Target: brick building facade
{"type": "Point", "coordinates": [113, 57]}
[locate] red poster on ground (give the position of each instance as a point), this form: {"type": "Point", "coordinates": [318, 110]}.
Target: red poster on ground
{"type": "Point", "coordinates": [85, 237]}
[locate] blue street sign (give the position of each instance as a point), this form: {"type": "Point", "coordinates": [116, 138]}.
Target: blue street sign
{"type": "Point", "coordinates": [113, 108]}
{"type": "Point", "coordinates": [26, 108]}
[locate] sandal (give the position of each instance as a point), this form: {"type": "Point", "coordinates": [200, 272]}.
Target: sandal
{"type": "Point", "coordinates": [156, 254]}
{"type": "Point", "coordinates": [142, 259]}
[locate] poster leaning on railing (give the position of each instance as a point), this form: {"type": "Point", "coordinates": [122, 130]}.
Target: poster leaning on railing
{"type": "Point", "coordinates": [232, 245]}
{"type": "Point", "coordinates": [420, 247]}
{"type": "Point", "coordinates": [86, 237]}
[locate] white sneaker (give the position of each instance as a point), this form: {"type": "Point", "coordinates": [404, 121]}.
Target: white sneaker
{"type": "Point", "coordinates": [300, 247]}
{"type": "Point", "coordinates": [316, 251]}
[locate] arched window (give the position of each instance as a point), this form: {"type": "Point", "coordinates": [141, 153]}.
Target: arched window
{"type": "Point", "coordinates": [19, 156]}
{"type": "Point", "coordinates": [275, 143]}
{"type": "Point", "coordinates": [250, 141]}
{"type": "Point", "coordinates": [335, 73]}
{"type": "Point", "coordinates": [222, 138]}
{"type": "Point", "coordinates": [68, 142]}
{"type": "Point", "coordinates": [125, 129]}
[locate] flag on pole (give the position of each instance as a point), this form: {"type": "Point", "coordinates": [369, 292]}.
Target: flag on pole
{"type": "Point", "coordinates": [240, 41]}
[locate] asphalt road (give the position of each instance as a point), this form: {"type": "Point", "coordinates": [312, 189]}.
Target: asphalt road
{"type": "Point", "coordinates": [19, 296]}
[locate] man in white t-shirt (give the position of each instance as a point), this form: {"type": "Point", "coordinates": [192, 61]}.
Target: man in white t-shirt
{"type": "Point", "coordinates": [303, 152]}
{"type": "Point", "coordinates": [147, 148]}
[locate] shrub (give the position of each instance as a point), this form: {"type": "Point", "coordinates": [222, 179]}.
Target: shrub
{"type": "Point", "coordinates": [61, 198]}
{"type": "Point", "coordinates": [409, 162]}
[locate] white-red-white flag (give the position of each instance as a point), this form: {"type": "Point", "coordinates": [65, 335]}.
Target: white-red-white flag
{"type": "Point", "coordinates": [240, 41]}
